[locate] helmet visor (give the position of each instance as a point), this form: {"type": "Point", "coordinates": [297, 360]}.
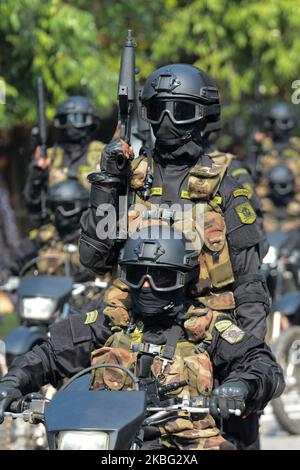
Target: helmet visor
{"type": "Point", "coordinates": [160, 278]}
{"type": "Point", "coordinates": [179, 111]}
{"type": "Point", "coordinates": [76, 119]}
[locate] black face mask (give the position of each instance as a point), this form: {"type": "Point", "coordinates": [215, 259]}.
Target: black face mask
{"type": "Point", "coordinates": [74, 134]}
{"type": "Point", "coordinates": [67, 225]}
{"type": "Point", "coordinates": [168, 133]}
{"type": "Point", "coordinates": [175, 141]}
{"type": "Point", "coordinates": [147, 303]}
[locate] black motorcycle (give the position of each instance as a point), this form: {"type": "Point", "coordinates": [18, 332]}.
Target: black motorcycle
{"type": "Point", "coordinates": [41, 300]}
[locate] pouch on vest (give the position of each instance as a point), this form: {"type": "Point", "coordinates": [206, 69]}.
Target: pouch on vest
{"type": "Point", "coordinates": [216, 253]}
{"type": "Point", "coordinates": [114, 379]}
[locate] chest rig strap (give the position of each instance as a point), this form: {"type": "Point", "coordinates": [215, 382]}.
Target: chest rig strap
{"type": "Point", "coordinates": [149, 350]}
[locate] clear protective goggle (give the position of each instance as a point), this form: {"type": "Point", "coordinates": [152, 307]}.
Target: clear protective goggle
{"type": "Point", "coordinates": [76, 119]}
{"type": "Point", "coordinates": [180, 111]}
{"type": "Point", "coordinates": [160, 278]}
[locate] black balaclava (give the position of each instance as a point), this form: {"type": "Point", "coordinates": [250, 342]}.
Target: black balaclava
{"type": "Point", "coordinates": [177, 142]}
{"type": "Point", "coordinates": [72, 134]}
{"type": "Point", "coordinates": [154, 306]}
{"type": "Point", "coordinates": [67, 227]}
{"type": "Point", "coordinates": [74, 141]}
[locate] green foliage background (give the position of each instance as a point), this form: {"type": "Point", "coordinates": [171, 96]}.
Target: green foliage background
{"type": "Point", "coordinates": [246, 45]}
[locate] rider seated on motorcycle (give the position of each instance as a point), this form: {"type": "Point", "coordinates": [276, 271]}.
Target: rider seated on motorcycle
{"type": "Point", "coordinates": [54, 243]}
{"type": "Point", "coordinates": [162, 336]}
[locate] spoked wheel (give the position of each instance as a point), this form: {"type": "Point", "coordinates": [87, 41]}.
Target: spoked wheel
{"type": "Point", "coordinates": [287, 407]}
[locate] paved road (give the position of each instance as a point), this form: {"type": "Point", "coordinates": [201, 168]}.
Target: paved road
{"type": "Point", "coordinates": [273, 437]}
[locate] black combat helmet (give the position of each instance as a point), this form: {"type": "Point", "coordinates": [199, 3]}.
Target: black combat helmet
{"type": "Point", "coordinates": [280, 118]}
{"type": "Point", "coordinates": [76, 119]}
{"type": "Point", "coordinates": [160, 254]}
{"type": "Point", "coordinates": [67, 200]}
{"type": "Point", "coordinates": [282, 184]}
{"type": "Point", "coordinates": [185, 93]}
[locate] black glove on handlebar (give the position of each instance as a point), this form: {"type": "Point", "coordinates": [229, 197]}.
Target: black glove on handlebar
{"type": "Point", "coordinates": [9, 392]}
{"type": "Point", "coordinates": [230, 395]}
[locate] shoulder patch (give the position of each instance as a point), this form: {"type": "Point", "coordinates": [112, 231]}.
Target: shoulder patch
{"type": "Point", "coordinates": [222, 325]}
{"type": "Point", "coordinates": [91, 317]}
{"type": "Point", "coordinates": [156, 191]}
{"type": "Point", "coordinates": [246, 213]}
{"type": "Point", "coordinates": [241, 192]}
{"type": "Point", "coordinates": [239, 171]}
{"type": "Point", "coordinates": [233, 334]}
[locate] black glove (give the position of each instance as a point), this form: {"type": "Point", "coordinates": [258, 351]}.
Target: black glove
{"type": "Point", "coordinates": [230, 395]}
{"type": "Point", "coordinates": [113, 161]}
{"type": "Point", "coordinates": [9, 392]}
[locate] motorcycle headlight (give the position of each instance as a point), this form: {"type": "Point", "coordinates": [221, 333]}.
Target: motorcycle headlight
{"type": "Point", "coordinates": [82, 440]}
{"type": "Point", "coordinates": [271, 256]}
{"type": "Point", "coordinates": [38, 308]}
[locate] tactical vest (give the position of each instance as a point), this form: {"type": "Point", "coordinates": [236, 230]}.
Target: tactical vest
{"type": "Point", "coordinates": [59, 173]}
{"type": "Point", "coordinates": [215, 265]}
{"type": "Point", "coordinates": [290, 157]}
{"type": "Point", "coordinates": [203, 186]}
{"type": "Point", "coordinates": [190, 362]}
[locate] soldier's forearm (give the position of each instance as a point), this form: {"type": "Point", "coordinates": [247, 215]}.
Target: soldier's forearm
{"type": "Point", "coordinates": [98, 226]}
{"type": "Point", "coordinates": [32, 370]}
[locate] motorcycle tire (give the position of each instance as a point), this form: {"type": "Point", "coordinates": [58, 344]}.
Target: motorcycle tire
{"type": "Point", "coordinates": [282, 351]}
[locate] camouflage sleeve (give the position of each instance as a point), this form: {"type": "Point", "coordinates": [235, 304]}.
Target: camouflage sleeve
{"type": "Point", "coordinates": [237, 354]}
{"type": "Point", "coordinates": [66, 353]}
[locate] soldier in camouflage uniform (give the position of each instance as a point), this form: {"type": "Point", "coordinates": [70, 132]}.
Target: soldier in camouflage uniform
{"type": "Point", "coordinates": [182, 104]}
{"type": "Point", "coordinates": [164, 337]}
{"type": "Point", "coordinates": [55, 244]}
{"type": "Point", "coordinates": [180, 172]}
{"type": "Point", "coordinates": [74, 155]}
{"type": "Point", "coordinates": [278, 171]}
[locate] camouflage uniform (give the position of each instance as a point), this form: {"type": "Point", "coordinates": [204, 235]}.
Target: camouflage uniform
{"type": "Point", "coordinates": [237, 227]}
{"type": "Point", "coordinates": [210, 348]}
{"type": "Point", "coordinates": [61, 169]}
{"type": "Point", "coordinates": [272, 154]}
{"type": "Point", "coordinates": [46, 244]}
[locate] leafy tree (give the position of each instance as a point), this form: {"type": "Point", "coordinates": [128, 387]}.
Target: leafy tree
{"type": "Point", "coordinates": [249, 46]}
{"type": "Point", "coordinates": [74, 46]}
